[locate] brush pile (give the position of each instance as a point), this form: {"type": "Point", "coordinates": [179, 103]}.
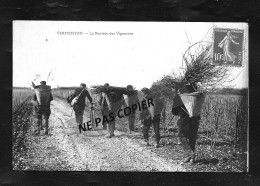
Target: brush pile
{"type": "Point", "coordinates": [97, 89]}
{"type": "Point", "coordinates": [199, 71]}
{"type": "Point", "coordinates": [199, 74]}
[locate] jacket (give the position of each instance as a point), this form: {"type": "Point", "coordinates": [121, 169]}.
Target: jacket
{"type": "Point", "coordinates": [43, 108]}
{"type": "Point", "coordinates": [159, 106]}
{"type": "Point", "coordinates": [80, 105]}
{"type": "Point", "coordinates": [111, 97]}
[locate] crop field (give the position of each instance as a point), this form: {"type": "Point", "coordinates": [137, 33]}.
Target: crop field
{"type": "Point", "coordinates": [62, 93]}
{"type": "Point", "coordinates": [20, 96]}
{"type": "Point", "coordinates": [223, 117]}
{"type": "Point", "coordinates": [22, 112]}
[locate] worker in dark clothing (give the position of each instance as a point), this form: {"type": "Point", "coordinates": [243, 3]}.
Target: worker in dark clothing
{"type": "Point", "coordinates": [132, 98]}
{"type": "Point", "coordinates": [147, 119]}
{"type": "Point", "coordinates": [104, 106]}
{"type": "Point", "coordinates": [79, 106]}
{"type": "Point", "coordinates": [187, 127]}
{"type": "Point", "coordinates": [111, 101]}
{"type": "Point", "coordinates": [42, 110]}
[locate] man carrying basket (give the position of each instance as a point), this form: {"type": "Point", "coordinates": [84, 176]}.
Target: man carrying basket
{"type": "Point", "coordinates": [42, 98]}
{"type": "Point", "coordinates": [111, 101]}
{"type": "Point", "coordinates": [151, 115]}
{"type": "Point", "coordinates": [78, 103]}
{"type": "Point", "coordinates": [187, 126]}
{"type": "Point", "coordinates": [131, 98]}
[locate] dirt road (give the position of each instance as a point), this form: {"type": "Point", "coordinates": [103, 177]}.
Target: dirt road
{"type": "Point", "coordinates": [67, 149]}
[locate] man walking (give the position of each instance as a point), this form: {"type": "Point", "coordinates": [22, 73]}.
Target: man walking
{"type": "Point", "coordinates": [187, 127]}
{"type": "Point", "coordinates": [42, 109]}
{"type": "Point", "coordinates": [103, 102]}
{"type": "Point", "coordinates": [148, 118]}
{"type": "Point", "coordinates": [79, 106]}
{"type": "Point", "coordinates": [131, 98]}
{"type": "Point", "coordinates": [111, 101]}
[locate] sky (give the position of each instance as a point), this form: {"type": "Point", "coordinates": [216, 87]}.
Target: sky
{"type": "Point", "coordinates": [152, 50]}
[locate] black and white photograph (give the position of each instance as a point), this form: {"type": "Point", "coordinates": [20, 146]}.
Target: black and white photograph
{"type": "Point", "coordinates": [130, 96]}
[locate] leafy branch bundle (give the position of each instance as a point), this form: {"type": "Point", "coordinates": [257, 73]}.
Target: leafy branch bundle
{"type": "Point", "coordinates": [162, 87]}
{"type": "Point", "coordinates": [200, 72]}
{"type": "Point", "coordinates": [97, 89]}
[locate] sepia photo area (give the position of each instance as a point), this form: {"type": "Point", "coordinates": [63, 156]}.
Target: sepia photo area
{"type": "Point", "coordinates": [130, 96]}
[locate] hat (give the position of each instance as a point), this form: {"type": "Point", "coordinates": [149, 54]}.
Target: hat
{"type": "Point", "coordinates": [145, 90]}
{"type": "Point", "coordinates": [43, 82]}
{"type": "Point", "coordinates": [83, 84]}
{"type": "Point", "coordinates": [129, 87]}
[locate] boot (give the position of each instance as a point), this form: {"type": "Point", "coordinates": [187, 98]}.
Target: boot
{"type": "Point", "coordinates": [156, 145]}
{"type": "Point", "coordinates": [147, 142]}
{"type": "Point", "coordinates": [109, 131]}
{"type": "Point", "coordinates": [187, 151]}
{"type": "Point", "coordinates": [186, 160]}
{"type": "Point", "coordinates": [185, 144]}
{"type": "Point", "coordinates": [193, 156]}
{"type": "Point", "coordinates": [108, 136]}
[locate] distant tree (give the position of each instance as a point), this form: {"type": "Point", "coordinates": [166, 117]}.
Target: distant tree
{"type": "Point", "coordinates": [162, 87]}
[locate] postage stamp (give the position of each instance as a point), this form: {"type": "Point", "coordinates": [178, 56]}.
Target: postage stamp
{"type": "Point", "coordinates": [228, 46]}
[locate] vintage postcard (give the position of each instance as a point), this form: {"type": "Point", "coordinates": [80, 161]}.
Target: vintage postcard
{"type": "Point", "coordinates": [130, 96]}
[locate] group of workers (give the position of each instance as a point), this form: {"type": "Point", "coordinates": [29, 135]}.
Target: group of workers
{"type": "Point", "coordinates": [112, 99]}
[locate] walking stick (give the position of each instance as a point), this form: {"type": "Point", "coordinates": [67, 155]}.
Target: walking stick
{"type": "Point", "coordinates": [92, 117]}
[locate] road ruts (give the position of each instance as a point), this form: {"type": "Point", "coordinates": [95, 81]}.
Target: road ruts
{"type": "Point", "coordinates": [98, 153]}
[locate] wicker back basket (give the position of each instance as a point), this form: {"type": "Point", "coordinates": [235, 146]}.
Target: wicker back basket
{"type": "Point", "coordinates": [43, 94]}
{"type": "Point", "coordinates": [130, 100]}
{"type": "Point", "coordinates": [193, 102]}
{"type": "Point", "coordinates": [158, 106]}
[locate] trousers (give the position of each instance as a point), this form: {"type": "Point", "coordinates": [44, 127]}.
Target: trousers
{"type": "Point", "coordinates": [105, 112]}
{"type": "Point", "coordinates": [79, 119]}
{"type": "Point", "coordinates": [46, 122]}
{"type": "Point", "coordinates": [156, 126]}
{"type": "Point", "coordinates": [131, 122]}
{"type": "Point", "coordinates": [188, 129]}
{"type": "Point", "coordinates": [111, 126]}
{"type": "Point", "coordinates": [42, 111]}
